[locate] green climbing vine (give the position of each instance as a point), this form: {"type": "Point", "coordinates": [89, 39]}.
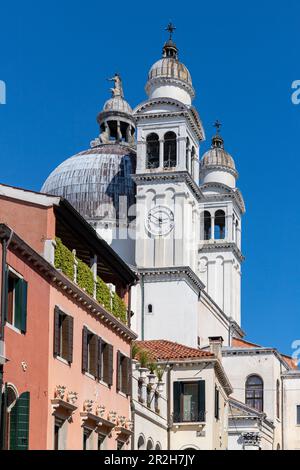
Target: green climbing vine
{"type": "Point", "coordinates": [64, 260]}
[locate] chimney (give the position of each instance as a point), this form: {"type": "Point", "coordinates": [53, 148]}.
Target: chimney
{"type": "Point", "coordinates": [215, 346]}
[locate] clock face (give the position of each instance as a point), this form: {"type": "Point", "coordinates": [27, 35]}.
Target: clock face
{"type": "Point", "coordinates": [160, 221]}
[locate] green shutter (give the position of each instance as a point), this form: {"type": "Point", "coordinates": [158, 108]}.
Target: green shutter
{"type": "Point", "coordinates": [19, 423]}
{"type": "Point", "coordinates": [70, 328]}
{"type": "Point", "coordinates": [56, 336]}
{"type": "Point", "coordinates": [99, 371]}
{"type": "Point", "coordinates": [84, 349]}
{"type": "Point", "coordinates": [6, 294]}
{"type": "Point", "coordinates": [21, 305]}
{"type": "Point", "coordinates": [118, 370]}
{"type": "Point", "coordinates": [110, 364]}
{"type": "Point", "coordinates": [177, 402]}
{"type": "Point", "coordinates": [201, 400]}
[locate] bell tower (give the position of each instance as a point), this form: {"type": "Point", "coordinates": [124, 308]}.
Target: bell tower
{"type": "Point", "coordinates": [219, 251]}
{"type": "Point", "coordinates": [169, 131]}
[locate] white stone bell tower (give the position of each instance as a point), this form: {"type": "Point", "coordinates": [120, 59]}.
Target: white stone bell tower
{"type": "Point", "coordinates": [168, 218]}
{"type": "Point", "coordinates": [219, 251]}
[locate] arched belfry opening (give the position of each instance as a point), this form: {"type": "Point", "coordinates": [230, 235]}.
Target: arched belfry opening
{"type": "Point", "coordinates": [170, 150]}
{"type": "Point", "coordinates": [152, 151]}
{"type": "Point", "coordinates": [220, 225]}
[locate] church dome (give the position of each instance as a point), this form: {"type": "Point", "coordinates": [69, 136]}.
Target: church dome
{"type": "Point", "coordinates": [217, 165]}
{"type": "Point", "coordinates": [117, 103]}
{"type": "Point", "coordinates": [98, 181]}
{"type": "Point", "coordinates": [168, 77]}
{"type": "Point", "coordinates": [170, 67]}
{"type": "Point", "coordinates": [94, 180]}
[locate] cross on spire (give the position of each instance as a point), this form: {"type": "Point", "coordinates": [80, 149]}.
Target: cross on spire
{"type": "Point", "coordinates": [170, 28]}
{"type": "Point", "coordinates": [218, 126]}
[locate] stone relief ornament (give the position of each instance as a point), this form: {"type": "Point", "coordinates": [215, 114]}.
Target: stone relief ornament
{"type": "Point", "coordinates": [122, 421]}
{"type": "Point", "coordinates": [100, 410]}
{"type": "Point", "coordinates": [72, 397]}
{"type": "Point", "coordinates": [60, 391]}
{"type": "Point", "coordinates": [88, 406]}
{"type": "Point", "coordinates": [112, 416]}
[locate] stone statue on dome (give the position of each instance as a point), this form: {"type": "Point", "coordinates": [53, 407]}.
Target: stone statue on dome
{"type": "Point", "coordinates": [118, 88]}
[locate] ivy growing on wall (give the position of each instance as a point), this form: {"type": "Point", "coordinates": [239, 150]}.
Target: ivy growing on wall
{"type": "Point", "coordinates": [64, 260]}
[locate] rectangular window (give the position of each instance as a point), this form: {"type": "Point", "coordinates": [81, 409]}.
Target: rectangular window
{"type": "Point", "coordinates": [106, 359]}
{"type": "Point", "coordinates": [16, 301]}
{"type": "Point", "coordinates": [101, 441]}
{"type": "Point", "coordinates": [123, 374]}
{"type": "Point", "coordinates": [63, 335]}
{"type": "Point", "coordinates": [298, 415]}
{"type": "Point", "coordinates": [58, 433]}
{"type": "Point", "coordinates": [87, 439]}
{"type": "Point", "coordinates": [120, 445]}
{"type": "Point", "coordinates": [97, 357]}
{"type": "Point", "coordinates": [189, 401]}
{"type": "Point", "coordinates": [217, 403]}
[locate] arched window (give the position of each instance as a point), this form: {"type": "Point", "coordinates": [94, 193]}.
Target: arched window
{"type": "Point", "coordinates": [152, 151]}
{"type": "Point", "coordinates": [150, 308]}
{"type": "Point", "coordinates": [255, 392]}
{"type": "Point", "coordinates": [219, 225]}
{"type": "Point", "coordinates": [193, 155]}
{"type": "Point", "coordinates": [206, 217]}
{"type": "Point", "coordinates": [170, 150]}
{"type": "Point", "coordinates": [278, 399]}
{"type": "Point", "coordinates": [149, 444]}
{"type": "Point", "coordinates": [158, 446]}
{"type": "Point", "coordinates": [187, 155]}
{"type": "Point", "coordinates": [141, 443]}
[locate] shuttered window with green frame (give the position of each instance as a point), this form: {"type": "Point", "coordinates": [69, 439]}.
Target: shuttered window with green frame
{"type": "Point", "coordinates": [19, 423]}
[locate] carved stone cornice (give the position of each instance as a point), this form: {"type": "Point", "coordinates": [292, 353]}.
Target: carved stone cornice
{"type": "Point", "coordinates": [170, 81]}
{"type": "Point", "coordinates": [217, 245]}
{"type": "Point", "coordinates": [174, 177]}
{"type": "Point", "coordinates": [181, 273]}
{"type": "Point", "coordinates": [182, 110]}
{"type": "Point", "coordinates": [229, 193]}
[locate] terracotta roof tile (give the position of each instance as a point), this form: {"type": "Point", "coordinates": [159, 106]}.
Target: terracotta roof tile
{"type": "Point", "coordinates": [167, 350]}
{"type": "Point", "coordinates": [241, 343]}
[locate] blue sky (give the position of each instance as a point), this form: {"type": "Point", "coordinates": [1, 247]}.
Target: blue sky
{"type": "Point", "coordinates": [55, 58]}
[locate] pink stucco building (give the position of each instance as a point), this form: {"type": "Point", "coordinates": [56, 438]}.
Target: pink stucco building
{"type": "Point", "coordinates": [65, 336]}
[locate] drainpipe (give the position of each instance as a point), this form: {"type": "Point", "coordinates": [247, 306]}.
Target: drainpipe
{"type": "Point", "coordinates": [169, 406]}
{"type": "Point", "coordinates": [282, 410]}
{"type": "Point", "coordinates": [5, 245]}
{"type": "Point", "coordinates": [142, 308]}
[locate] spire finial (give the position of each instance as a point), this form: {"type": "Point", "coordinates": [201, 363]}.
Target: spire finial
{"type": "Point", "coordinates": [218, 126]}
{"type": "Point", "coordinates": [170, 28]}
{"type": "Point", "coordinates": [217, 141]}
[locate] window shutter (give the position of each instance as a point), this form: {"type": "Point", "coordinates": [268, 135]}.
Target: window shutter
{"type": "Point", "coordinates": [124, 371]}
{"type": "Point", "coordinates": [99, 365]}
{"type": "Point", "coordinates": [69, 334]}
{"type": "Point", "coordinates": [84, 349]}
{"type": "Point", "coordinates": [93, 346]}
{"type": "Point", "coordinates": [18, 303]}
{"type": "Point", "coordinates": [129, 376]}
{"type": "Point", "coordinates": [19, 423]}
{"type": "Point", "coordinates": [217, 398]}
{"type": "Point", "coordinates": [201, 400]}
{"type": "Point", "coordinates": [177, 402]}
{"type": "Point", "coordinates": [24, 306]}
{"type": "Point", "coordinates": [6, 294]}
{"type": "Point", "coordinates": [56, 336]}
{"type": "Point", "coordinates": [118, 370]}
{"type": "Point", "coordinates": [110, 364]}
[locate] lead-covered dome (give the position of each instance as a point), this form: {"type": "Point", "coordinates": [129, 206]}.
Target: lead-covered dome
{"type": "Point", "coordinates": [98, 181]}
{"type": "Point", "coordinates": [94, 180]}
{"type": "Point", "coordinates": [217, 165]}
{"type": "Point", "coordinates": [170, 78]}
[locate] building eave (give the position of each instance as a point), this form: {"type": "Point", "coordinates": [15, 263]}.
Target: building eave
{"type": "Point", "coordinates": [62, 283]}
